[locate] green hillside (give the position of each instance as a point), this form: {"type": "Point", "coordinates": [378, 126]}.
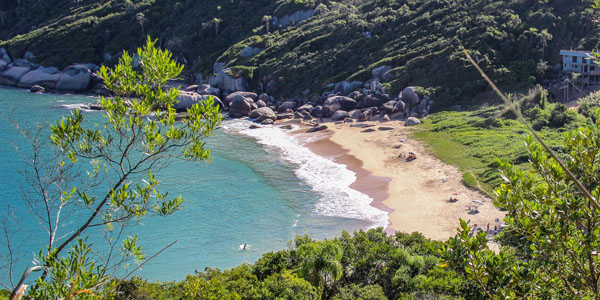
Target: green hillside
{"type": "Point", "coordinates": [517, 41]}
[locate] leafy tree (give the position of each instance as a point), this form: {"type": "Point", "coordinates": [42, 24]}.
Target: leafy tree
{"type": "Point", "coordinates": [199, 289]}
{"type": "Point", "coordinates": [552, 227]}
{"type": "Point", "coordinates": [267, 20]}
{"type": "Point", "coordinates": [320, 263]}
{"type": "Point", "coordinates": [287, 286]}
{"type": "Point", "coordinates": [356, 292]}
{"type": "Point", "coordinates": [139, 135]}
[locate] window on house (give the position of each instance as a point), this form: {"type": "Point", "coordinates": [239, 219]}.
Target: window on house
{"type": "Point", "coordinates": [592, 68]}
{"type": "Point", "coordinates": [585, 69]}
{"type": "Point", "coordinates": [574, 59]}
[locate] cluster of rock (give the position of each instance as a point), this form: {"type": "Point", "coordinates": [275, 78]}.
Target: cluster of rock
{"type": "Point", "coordinates": [25, 74]}
{"type": "Point", "coordinates": [348, 100]}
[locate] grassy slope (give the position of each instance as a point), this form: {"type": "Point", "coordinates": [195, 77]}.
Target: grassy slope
{"type": "Point", "coordinates": [419, 39]}
{"type": "Point", "coordinates": [474, 141]}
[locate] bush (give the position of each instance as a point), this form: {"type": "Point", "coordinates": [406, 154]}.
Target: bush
{"type": "Point", "coordinates": [560, 116]}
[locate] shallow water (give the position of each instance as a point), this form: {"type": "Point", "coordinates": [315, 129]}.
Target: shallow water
{"type": "Point", "coordinates": [262, 194]}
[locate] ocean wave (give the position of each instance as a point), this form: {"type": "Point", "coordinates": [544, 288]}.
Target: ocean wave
{"type": "Point", "coordinates": [329, 179]}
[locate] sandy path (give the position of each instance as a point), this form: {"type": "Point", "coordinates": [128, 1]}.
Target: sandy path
{"type": "Point", "coordinates": [415, 192]}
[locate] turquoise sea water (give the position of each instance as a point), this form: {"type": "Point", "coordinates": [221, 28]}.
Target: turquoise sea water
{"type": "Point", "coordinates": [261, 187]}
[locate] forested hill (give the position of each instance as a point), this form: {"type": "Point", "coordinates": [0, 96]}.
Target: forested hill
{"type": "Point", "coordinates": [417, 41]}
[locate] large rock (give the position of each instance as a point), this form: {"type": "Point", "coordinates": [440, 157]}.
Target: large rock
{"type": "Point", "coordinates": [409, 96]}
{"type": "Point", "coordinates": [240, 106]}
{"type": "Point", "coordinates": [264, 97]}
{"type": "Point", "coordinates": [354, 114]}
{"type": "Point", "coordinates": [37, 89]}
{"type": "Point", "coordinates": [75, 78]}
{"type": "Point", "coordinates": [390, 106]}
{"type": "Point", "coordinates": [261, 103]}
{"type": "Point", "coordinates": [400, 106]}
{"type": "Point", "coordinates": [13, 74]}
{"type": "Point", "coordinates": [4, 59]}
{"type": "Point", "coordinates": [206, 89]}
{"type": "Point", "coordinates": [287, 105]}
{"type": "Point", "coordinates": [186, 100]}
{"type": "Point", "coordinates": [317, 111]}
{"type": "Point", "coordinates": [4, 56]}
{"type": "Point", "coordinates": [367, 114]}
{"type": "Point", "coordinates": [381, 73]}
{"type": "Point", "coordinates": [373, 101]}
{"type": "Point", "coordinates": [45, 77]}
{"type": "Point", "coordinates": [306, 107]}
{"type": "Point", "coordinates": [282, 116]}
{"type": "Point", "coordinates": [249, 51]}
{"type": "Point", "coordinates": [345, 103]}
{"type": "Point", "coordinates": [225, 82]}
{"type": "Point", "coordinates": [328, 110]}
{"type": "Point", "coordinates": [232, 96]}
{"type": "Point", "coordinates": [339, 115]}
{"type": "Point", "coordinates": [262, 114]}
{"type": "Point", "coordinates": [412, 121]}
{"type": "Point", "coordinates": [295, 18]}
{"type": "Point", "coordinates": [317, 128]}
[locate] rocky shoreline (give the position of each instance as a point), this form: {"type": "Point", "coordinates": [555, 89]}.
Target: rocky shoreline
{"type": "Point", "coordinates": [356, 100]}
{"type": "Point", "coordinates": [347, 101]}
{"type": "Point", "coordinates": [77, 78]}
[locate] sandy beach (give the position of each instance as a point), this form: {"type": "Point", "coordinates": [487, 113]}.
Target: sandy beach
{"type": "Point", "coordinates": [414, 193]}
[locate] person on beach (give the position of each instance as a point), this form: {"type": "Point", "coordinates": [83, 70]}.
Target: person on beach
{"type": "Point", "coordinates": [411, 156]}
{"type": "Point", "coordinates": [245, 246]}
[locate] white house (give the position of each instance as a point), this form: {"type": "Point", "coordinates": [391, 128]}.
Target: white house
{"type": "Point", "coordinates": [582, 62]}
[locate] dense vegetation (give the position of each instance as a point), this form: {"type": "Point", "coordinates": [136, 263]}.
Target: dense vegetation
{"type": "Point", "coordinates": [368, 265]}
{"type": "Point", "coordinates": [517, 42]}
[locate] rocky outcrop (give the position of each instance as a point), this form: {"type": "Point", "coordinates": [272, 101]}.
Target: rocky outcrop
{"type": "Point", "coordinates": [240, 106]}
{"type": "Point", "coordinates": [354, 114]}
{"type": "Point", "coordinates": [4, 59]}
{"type": "Point", "coordinates": [14, 71]}
{"type": "Point", "coordinates": [409, 96]}
{"type": "Point", "coordinates": [186, 100]}
{"type": "Point", "coordinates": [37, 89]}
{"type": "Point", "coordinates": [224, 81]}
{"type": "Point", "coordinates": [232, 96]}
{"type": "Point", "coordinates": [412, 121]}
{"type": "Point", "coordinates": [342, 102]}
{"type": "Point", "coordinates": [373, 101]}
{"type": "Point", "coordinates": [262, 113]}
{"type": "Point", "coordinates": [346, 87]}
{"type": "Point", "coordinates": [75, 78]}
{"type": "Point", "coordinates": [381, 73]}
{"type": "Point", "coordinates": [339, 115]}
{"type": "Point", "coordinates": [284, 106]}
{"type": "Point", "coordinates": [293, 19]}
{"type": "Point", "coordinates": [317, 128]}
{"type": "Point", "coordinates": [42, 76]}
{"type": "Point", "coordinates": [206, 89]}
{"type": "Point", "coordinates": [249, 51]}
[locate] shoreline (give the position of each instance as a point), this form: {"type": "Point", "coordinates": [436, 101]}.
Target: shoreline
{"type": "Point", "coordinates": [376, 187]}
{"type": "Point", "coordinates": [413, 193]}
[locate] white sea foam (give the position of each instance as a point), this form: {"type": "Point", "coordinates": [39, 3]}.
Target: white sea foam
{"type": "Point", "coordinates": [329, 179]}
{"type": "Point", "coordinates": [79, 106]}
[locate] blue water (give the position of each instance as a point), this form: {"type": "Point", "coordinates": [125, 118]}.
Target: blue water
{"type": "Point", "coordinates": [261, 188]}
